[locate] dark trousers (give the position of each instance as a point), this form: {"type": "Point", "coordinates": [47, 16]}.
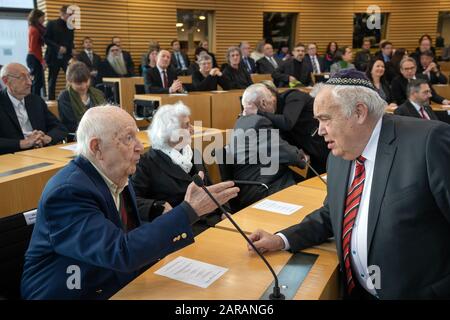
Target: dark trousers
{"type": "Point", "coordinates": [53, 70]}
{"type": "Point", "coordinates": [37, 72]}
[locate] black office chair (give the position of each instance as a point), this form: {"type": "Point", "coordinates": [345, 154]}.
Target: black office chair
{"type": "Point", "coordinates": [110, 91]}
{"type": "Point", "coordinates": [15, 234]}
{"type": "Point", "coordinates": [145, 109]}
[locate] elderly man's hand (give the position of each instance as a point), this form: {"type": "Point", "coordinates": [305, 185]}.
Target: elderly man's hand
{"type": "Point", "coordinates": [200, 201]}
{"type": "Point", "coordinates": [265, 241]}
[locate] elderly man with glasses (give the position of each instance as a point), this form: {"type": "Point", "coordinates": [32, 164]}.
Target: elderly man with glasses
{"type": "Point", "coordinates": [25, 121]}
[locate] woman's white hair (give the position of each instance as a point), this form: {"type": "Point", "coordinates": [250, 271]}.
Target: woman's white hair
{"type": "Point", "coordinates": [166, 124]}
{"type": "Point", "coordinates": [348, 97]}
{"type": "Point", "coordinates": [97, 122]}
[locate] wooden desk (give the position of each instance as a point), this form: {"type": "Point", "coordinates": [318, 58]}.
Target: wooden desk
{"type": "Point", "coordinates": [52, 153]}
{"type": "Point", "coordinates": [52, 106]}
{"type": "Point", "coordinates": [247, 276]}
{"type": "Point", "coordinates": [198, 102]}
{"type": "Point", "coordinates": [225, 108]}
{"type": "Point", "coordinates": [314, 183]}
{"type": "Point", "coordinates": [185, 79]}
{"type": "Point", "coordinates": [256, 77]}
{"type": "Point", "coordinates": [250, 219]}
{"type": "Point", "coordinates": [127, 91]}
{"type": "Point", "coordinates": [21, 190]}
{"type": "Point", "coordinates": [442, 90]}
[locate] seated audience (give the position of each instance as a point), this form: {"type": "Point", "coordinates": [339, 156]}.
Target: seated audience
{"type": "Point", "coordinates": [376, 74]}
{"type": "Point", "coordinates": [236, 74]}
{"type": "Point", "coordinates": [419, 93]}
{"type": "Point", "coordinates": [207, 78]}
{"type": "Point", "coordinates": [330, 56]}
{"type": "Point", "coordinates": [90, 58]}
{"type": "Point", "coordinates": [258, 53]}
{"type": "Point", "coordinates": [344, 57]}
{"type": "Point", "coordinates": [114, 64]}
{"type": "Point", "coordinates": [317, 63]}
{"type": "Point", "coordinates": [295, 119]}
{"type": "Point", "coordinates": [363, 57]}
{"type": "Point", "coordinates": [425, 44]}
{"type": "Point", "coordinates": [167, 168]}
{"type": "Point", "coordinates": [253, 136]}
{"type": "Point", "coordinates": [78, 97]}
{"type": "Point", "coordinates": [295, 71]}
{"type": "Point", "coordinates": [180, 60]}
{"type": "Point", "coordinates": [247, 61]}
{"type": "Point", "coordinates": [269, 62]}
{"type": "Point", "coordinates": [88, 216]}
{"type": "Point", "coordinates": [430, 68]}
{"type": "Point", "coordinates": [162, 78]}
{"type": "Point", "coordinates": [152, 46]}
{"type": "Point", "coordinates": [203, 45]}
{"type": "Point", "coordinates": [397, 56]}
{"type": "Point", "coordinates": [25, 121]}
{"type": "Point", "coordinates": [283, 52]}
{"type": "Point", "coordinates": [408, 70]}
{"type": "Point", "coordinates": [126, 55]}
{"type": "Point", "coordinates": [150, 62]}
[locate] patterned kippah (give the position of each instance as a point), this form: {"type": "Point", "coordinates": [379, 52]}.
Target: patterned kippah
{"type": "Point", "coordinates": [350, 77]}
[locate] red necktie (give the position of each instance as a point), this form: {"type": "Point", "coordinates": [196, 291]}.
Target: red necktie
{"type": "Point", "coordinates": [352, 202]}
{"type": "Point", "coordinates": [423, 114]}
{"type": "Point", "coordinates": [165, 81]}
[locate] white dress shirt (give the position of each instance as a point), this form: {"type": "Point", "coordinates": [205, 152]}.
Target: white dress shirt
{"type": "Point", "coordinates": [22, 114]}
{"type": "Point", "coordinates": [358, 244]}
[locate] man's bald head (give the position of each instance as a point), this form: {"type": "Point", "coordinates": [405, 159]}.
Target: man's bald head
{"type": "Point", "coordinates": [17, 79]}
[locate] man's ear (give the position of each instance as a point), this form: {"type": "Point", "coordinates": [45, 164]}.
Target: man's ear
{"type": "Point", "coordinates": [95, 148]}
{"type": "Point", "coordinates": [362, 112]}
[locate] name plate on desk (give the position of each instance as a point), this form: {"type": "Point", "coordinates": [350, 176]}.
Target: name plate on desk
{"type": "Point", "coordinates": [27, 168]}
{"type": "Point", "coordinates": [292, 275]}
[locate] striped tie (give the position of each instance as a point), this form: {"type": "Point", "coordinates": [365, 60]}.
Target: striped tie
{"type": "Point", "coordinates": [351, 211]}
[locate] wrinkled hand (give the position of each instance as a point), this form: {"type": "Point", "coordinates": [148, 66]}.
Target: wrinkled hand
{"type": "Point", "coordinates": [176, 86]}
{"type": "Point", "coordinates": [200, 201]}
{"type": "Point", "coordinates": [265, 241]}
{"type": "Point", "coordinates": [34, 139]}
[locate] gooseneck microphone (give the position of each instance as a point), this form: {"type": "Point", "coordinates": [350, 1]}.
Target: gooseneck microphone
{"type": "Point", "coordinates": [276, 294]}
{"type": "Point", "coordinates": [253, 183]}
{"type": "Point", "coordinates": [315, 172]}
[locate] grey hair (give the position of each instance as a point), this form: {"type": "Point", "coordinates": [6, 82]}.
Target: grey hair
{"type": "Point", "coordinates": [203, 56]}
{"type": "Point", "coordinates": [4, 70]}
{"type": "Point", "coordinates": [255, 94]}
{"type": "Point", "coordinates": [414, 86]}
{"type": "Point", "coordinates": [165, 123]}
{"type": "Point", "coordinates": [348, 97]}
{"type": "Point", "coordinates": [95, 123]}
{"type": "Point", "coordinates": [233, 49]}
{"type": "Point", "coordinates": [405, 59]}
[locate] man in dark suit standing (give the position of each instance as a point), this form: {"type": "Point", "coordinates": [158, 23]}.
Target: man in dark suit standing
{"type": "Point", "coordinates": [180, 60]}
{"type": "Point", "coordinates": [248, 63]}
{"type": "Point", "coordinates": [90, 58]}
{"type": "Point", "coordinates": [268, 63]}
{"type": "Point", "coordinates": [417, 105]}
{"type": "Point", "coordinates": [317, 63]}
{"type": "Point", "coordinates": [388, 205]}
{"type": "Point", "coordinates": [88, 241]}
{"type": "Point", "coordinates": [59, 41]}
{"type": "Point", "coordinates": [253, 136]}
{"type": "Point", "coordinates": [162, 78]}
{"type": "Point", "coordinates": [297, 69]}
{"type": "Point", "coordinates": [294, 118]}
{"type": "Point", "coordinates": [126, 55]}
{"type": "Point", "coordinates": [25, 121]}
{"type": "Point", "coordinates": [408, 70]}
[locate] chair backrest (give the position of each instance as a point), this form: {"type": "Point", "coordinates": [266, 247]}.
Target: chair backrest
{"type": "Point", "coordinates": [110, 91]}
{"type": "Point", "coordinates": [140, 88]}
{"type": "Point", "coordinates": [15, 235]}
{"type": "Point", "coordinates": [145, 109]}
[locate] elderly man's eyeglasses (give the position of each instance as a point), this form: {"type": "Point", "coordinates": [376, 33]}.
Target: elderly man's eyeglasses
{"type": "Point", "coordinates": [22, 76]}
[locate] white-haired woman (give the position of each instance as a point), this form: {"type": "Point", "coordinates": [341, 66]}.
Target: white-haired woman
{"type": "Point", "coordinates": [165, 171]}
{"type": "Point", "coordinates": [207, 78]}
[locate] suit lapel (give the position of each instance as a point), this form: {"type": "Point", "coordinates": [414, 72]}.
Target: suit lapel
{"type": "Point", "coordinates": [430, 113]}
{"type": "Point", "coordinates": [9, 110]}
{"type": "Point", "coordinates": [383, 164]}
{"type": "Point", "coordinates": [412, 110]}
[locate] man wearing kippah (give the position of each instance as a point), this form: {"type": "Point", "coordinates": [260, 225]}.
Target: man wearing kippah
{"type": "Point", "coordinates": [388, 203]}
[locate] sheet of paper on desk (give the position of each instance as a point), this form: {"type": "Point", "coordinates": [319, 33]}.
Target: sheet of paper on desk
{"type": "Point", "coordinates": [218, 91]}
{"type": "Point", "coordinates": [71, 147]}
{"type": "Point", "coordinates": [277, 207]}
{"type": "Point", "coordinates": [324, 177]}
{"type": "Point", "coordinates": [191, 271]}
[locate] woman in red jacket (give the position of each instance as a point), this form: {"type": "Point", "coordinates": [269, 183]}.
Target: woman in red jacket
{"type": "Point", "coordinates": [35, 61]}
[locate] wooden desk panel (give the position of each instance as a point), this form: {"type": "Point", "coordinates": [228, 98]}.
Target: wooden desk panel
{"type": "Point", "coordinates": [198, 102]}
{"type": "Point", "coordinates": [52, 153]}
{"type": "Point", "coordinates": [22, 191]}
{"type": "Point", "coordinates": [225, 109]}
{"type": "Point", "coordinates": [314, 183]}
{"type": "Point", "coordinates": [247, 277]}
{"type": "Point", "coordinates": [250, 219]}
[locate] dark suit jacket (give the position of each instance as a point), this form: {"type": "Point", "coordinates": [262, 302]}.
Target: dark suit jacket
{"type": "Point", "coordinates": [105, 70]}
{"type": "Point", "coordinates": [408, 110]}
{"type": "Point", "coordinates": [173, 63]}
{"type": "Point", "coordinates": [409, 214]}
{"type": "Point", "coordinates": [263, 66]}
{"type": "Point", "coordinates": [288, 68]}
{"type": "Point", "coordinates": [78, 224]}
{"type": "Point", "coordinates": [157, 178]}
{"type": "Point", "coordinates": [362, 60]}
{"type": "Point", "coordinates": [237, 79]}
{"type": "Point", "coordinates": [200, 83]}
{"type": "Point", "coordinates": [295, 118]}
{"type": "Point", "coordinates": [94, 65]}
{"type": "Point", "coordinates": [57, 35]}
{"type": "Point", "coordinates": [321, 62]}
{"type": "Point", "coordinates": [40, 118]}
{"type": "Point", "coordinates": [252, 65]}
{"type": "Point", "coordinates": [247, 167]}
{"type": "Point", "coordinates": [398, 90]}
{"type": "Point", "coordinates": [153, 82]}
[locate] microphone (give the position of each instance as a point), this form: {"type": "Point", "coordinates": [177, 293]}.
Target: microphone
{"type": "Point", "coordinates": [254, 183]}
{"type": "Point", "coordinates": [276, 294]}
{"type": "Point", "coordinates": [314, 171]}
